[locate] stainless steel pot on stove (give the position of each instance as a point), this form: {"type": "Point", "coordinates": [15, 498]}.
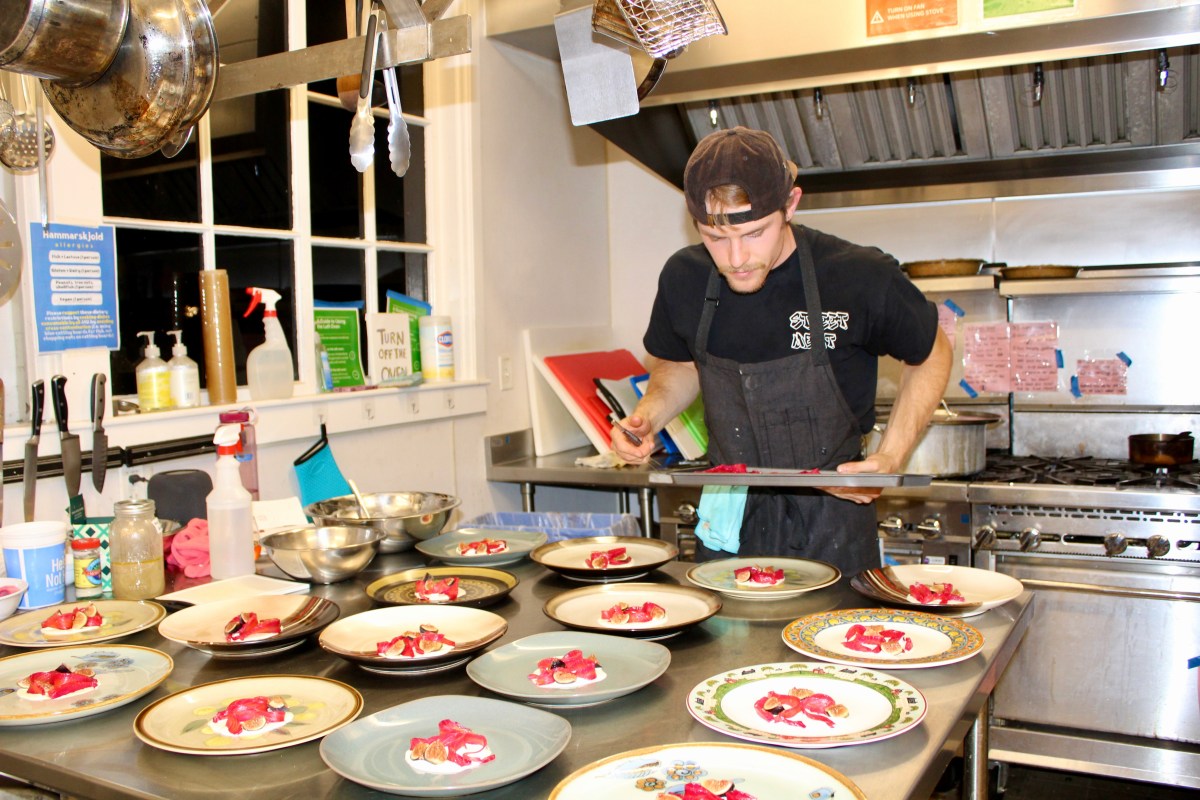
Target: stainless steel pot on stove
{"type": "Point", "coordinates": [72, 41]}
{"type": "Point", "coordinates": [954, 444]}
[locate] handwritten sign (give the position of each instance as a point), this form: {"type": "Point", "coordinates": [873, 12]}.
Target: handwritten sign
{"type": "Point", "coordinates": [1033, 358]}
{"type": "Point", "coordinates": [886, 17]}
{"type": "Point", "coordinates": [74, 286]}
{"type": "Point", "coordinates": [986, 357]}
{"type": "Point", "coordinates": [1102, 376]}
{"type": "Point", "coordinates": [389, 348]}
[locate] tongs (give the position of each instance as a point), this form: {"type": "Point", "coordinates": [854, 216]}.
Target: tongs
{"type": "Point", "coordinates": [399, 146]}
{"type": "Point", "coordinates": [362, 128]}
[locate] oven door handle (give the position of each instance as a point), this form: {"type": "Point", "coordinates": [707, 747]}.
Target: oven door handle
{"type": "Point", "coordinates": [1112, 591]}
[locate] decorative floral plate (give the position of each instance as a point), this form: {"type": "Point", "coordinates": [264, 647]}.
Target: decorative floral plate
{"type": "Point", "coordinates": [121, 618]}
{"type": "Point", "coordinates": [372, 750]}
{"type": "Point", "coordinates": [570, 557]}
{"type": "Point", "coordinates": [518, 544]}
{"type": "Point", "coordinates": [626, 664]}
{"type": "Point", "coordinates": [800, 575]}
{"type": "Point", "coordinates": [763, 772]}
{"type": "Point", "coordinates": [123, 674]}
{"type": "Point", "coordinates": [477, 586]}
{"type": "Point", "coordinates": [867, 705]}
{"type": "Point", "coordinates": [202, 627]}
{"type": "Point", "coordinates": [936, 640]}
{"type": "Point", "coordinates": [582, 608]}
{"type": "Point", "coordinates": [183, 722]}
{"type": "Point", "coordinates": [356, 638]}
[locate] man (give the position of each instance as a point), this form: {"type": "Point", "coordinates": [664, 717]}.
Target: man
{"type": "Point", "coordinates": [781, 328]}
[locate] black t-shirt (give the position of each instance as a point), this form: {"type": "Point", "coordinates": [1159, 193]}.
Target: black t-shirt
{"type": "Point", "coordinates": [871, 309]}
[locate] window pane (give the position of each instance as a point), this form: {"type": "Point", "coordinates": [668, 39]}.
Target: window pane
{"type": "Point", "coordinates": [153, 187]}
{"type": "Point", "coordinates": [251, 161]}
{"type": "Point", "coordinates": [159, 291]}
{"type": "Point", "coordinates": [339, 277]}
{"type": "Point", "coordinates": [267, 264]}
{"type": "Point", "coordinates": [401, 272]}
{"type": "Point", "coordinates": [400, 202]}
{"type": "Point", "coordinates": [334, 183]}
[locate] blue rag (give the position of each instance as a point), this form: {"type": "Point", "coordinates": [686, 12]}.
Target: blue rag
{"type": "Point", "coordinates": [720, 513]}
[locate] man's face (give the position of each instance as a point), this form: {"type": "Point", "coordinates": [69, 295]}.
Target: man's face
{"type": "Point", "coordinates": [745, 253]}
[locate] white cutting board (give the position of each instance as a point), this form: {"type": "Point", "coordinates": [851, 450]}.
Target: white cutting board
{"type": "Point", "coordinates": [554, 427]}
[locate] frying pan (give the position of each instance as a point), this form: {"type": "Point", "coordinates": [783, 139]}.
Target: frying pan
{"type": "Point", "coordinates": [943, 267]}
{"type": "Point", "coordinates": [1162, 449]}
{"type": "Point", "coordinates": [1038, 271]}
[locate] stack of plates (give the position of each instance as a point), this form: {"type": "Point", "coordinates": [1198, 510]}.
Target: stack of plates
{"type": "Point", "coordinates": [202, 627]}
{"type": "Point", "coordinates": [356, 638]}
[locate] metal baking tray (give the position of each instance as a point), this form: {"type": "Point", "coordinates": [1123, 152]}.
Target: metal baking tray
{"type": "Point", "coordinates": [764, 476]}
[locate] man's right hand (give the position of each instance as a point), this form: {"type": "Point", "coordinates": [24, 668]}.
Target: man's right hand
{"type": "Point", "coordinates": [628, 451]}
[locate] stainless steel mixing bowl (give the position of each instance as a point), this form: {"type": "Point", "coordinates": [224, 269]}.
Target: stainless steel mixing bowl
{"type": "Point", "coordinates": [322, 554]}
{"type": "Point", "coordinates": [404, 517]}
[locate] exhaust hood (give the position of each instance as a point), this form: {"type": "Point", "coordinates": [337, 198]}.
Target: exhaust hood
{"type": "Point", "coordinates": [1110, 86]}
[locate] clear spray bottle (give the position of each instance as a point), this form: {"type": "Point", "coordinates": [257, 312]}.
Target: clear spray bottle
{"type": "Point", "coordinates": [230, 524]}
{"type": "Point", "coordinates": [269, 366]}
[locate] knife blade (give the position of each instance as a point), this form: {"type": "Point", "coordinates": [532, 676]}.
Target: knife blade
{"type": "Point", "coordinates": [99, 437]}
{"type": "Point", "coordinates": [68, 442]}
{"type": "Point", "coordinates": [29, 475]}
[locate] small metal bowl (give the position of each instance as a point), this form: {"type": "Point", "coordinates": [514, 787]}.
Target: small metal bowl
{"type": "Point", "coordinates": [404, 517]}
{"type": "Point", "coordinates": [323, 554]}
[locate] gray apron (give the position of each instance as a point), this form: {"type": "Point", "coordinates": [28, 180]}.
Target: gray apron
{"type": "Point", "coordinates": [788, 413]}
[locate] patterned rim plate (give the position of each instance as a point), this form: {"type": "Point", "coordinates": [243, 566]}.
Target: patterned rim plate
{"type": "Point", "coordinates": [372, 751]}
{"type": "Point", "coordinates": [763, 772]}
{"type": "Point", "coordinates": [355, 638]}
{"type": "Point", "coordinates": [202, 627]}
{"type": "Point", "coordinates": [477, 586]}
{"type": "Point", "coordinates": [445, 546]}
{"type": "Point", "coordinates": [123, 674]}
{"type": "Point", "coordinates": [800, 575]}
{"type": "Point", "coordinates": [628, 665]}
{"type": "Point", "coordinates": [977, 586]}
{"type": "Point", "coordinates": [936, 640]}
{"type": "Point", "coordinates": [581, 608]}
{"type": "Point", "coordinates": [877, 705]}
{"type": "Point", "coordinates": [182, 722]}
{"type": "Point", "coordinates": [569, 557]}
{"type": "Point", "coordinates": [121, 618]}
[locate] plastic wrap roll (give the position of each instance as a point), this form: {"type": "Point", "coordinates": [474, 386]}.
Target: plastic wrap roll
{"type": "Point", "coordinates": [217, 321]}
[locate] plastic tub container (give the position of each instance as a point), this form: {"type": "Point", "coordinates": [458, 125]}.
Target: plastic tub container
{"type": "Point", "coordinates": [558, 525]}
{"type": "Point", "coordinates": [36, 552]}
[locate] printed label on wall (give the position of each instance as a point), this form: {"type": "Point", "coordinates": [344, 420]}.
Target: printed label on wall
{"type": "Point", "coordinates": [900, 16]}
{"type": "Point", "coordinates": [1102, 376]}
{"type": "Point", "coordinates": [74, 286]}
{"type": "Point", "coordinates": [1033, 348]}
{"type": "Point", "coordinates": [986, 357]}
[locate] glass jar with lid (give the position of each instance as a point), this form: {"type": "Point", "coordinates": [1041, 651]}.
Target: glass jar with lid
{"type": "Point", "coordinates": [136, 551]}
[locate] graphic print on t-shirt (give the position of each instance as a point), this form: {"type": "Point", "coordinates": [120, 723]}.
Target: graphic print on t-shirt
{"type": "Point", "coordinates": [831, 321]}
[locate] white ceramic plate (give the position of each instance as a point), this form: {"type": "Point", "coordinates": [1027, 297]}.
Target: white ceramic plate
{"type": "Point", "coordinates": [988, 589]}
{"type": "Point", "coordinates": [569, 557]}
{"type": "Point", "coordinates": [628, 665]}
{"type": "Point", "coordinates": [371, 751]}
{"type": "Point", "coordinates": [202, 627]}
{"type": "Point", "coordinates": [242, 586]}
{"type": "Point", "coordinates": [121, 618]}
{"type": "Point", "coordinates": [181, 722]}
{"type": "Point", "coordinates": [123, 673]}
{"type": "Point", "coordinates": [581, 608]}
{"type": "Point", "coordinates": [445, 546]}
{"type": "Point", "coordinates": [878, 705]}
{"type": "Point", "coordinates": [355, 638]}
{"type": "Point", "coordinates": [763, 772]}
{"type": "Point", "coordinates": [800, 575]}
{"type": "Point", "coordinates": [937, 640]}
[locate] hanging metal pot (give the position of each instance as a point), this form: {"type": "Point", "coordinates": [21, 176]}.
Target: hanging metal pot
{"type": "Point", "coordinates": [72, 41]}
{"type": "Point", "coordinates": [158, 85]}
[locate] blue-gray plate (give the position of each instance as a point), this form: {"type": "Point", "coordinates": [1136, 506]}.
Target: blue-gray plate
{"type": "Point", "coordinates": [445, 546]}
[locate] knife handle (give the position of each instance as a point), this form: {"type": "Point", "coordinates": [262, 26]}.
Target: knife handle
{"type": "Point", "coordinates": [58, 391]}
{"type": "Point", "coordinates": [98, 400]}
{"type": "Point", "coordinates": [37, 409]}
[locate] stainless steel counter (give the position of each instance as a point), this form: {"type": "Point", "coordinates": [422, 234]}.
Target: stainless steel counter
{"type": "Point", "coordinates": [99, 757]}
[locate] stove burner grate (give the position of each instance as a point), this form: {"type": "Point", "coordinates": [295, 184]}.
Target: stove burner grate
{"type": "Point", "coordinates": [1086, 471]}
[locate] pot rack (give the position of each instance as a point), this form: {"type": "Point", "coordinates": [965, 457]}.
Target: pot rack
{"type": "Point", "coordinates": [417, 32]}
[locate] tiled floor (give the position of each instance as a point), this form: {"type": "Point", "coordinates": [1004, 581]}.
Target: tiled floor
{"type": "Point", "coordinates": [1027, 783]}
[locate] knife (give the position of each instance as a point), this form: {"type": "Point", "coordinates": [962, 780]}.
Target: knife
{"type": "Point", "coordinates": [99, 437]}
{"type": "Point", "coordinates": [29, 475]}
{"type": "Point", "coordinates": [68, 442]}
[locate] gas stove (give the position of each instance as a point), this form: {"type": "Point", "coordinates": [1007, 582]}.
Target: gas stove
{"type": "Point", "coordinates": [1088, 471]}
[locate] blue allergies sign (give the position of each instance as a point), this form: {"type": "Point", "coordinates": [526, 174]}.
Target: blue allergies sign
{"type": "Point", "coordinates": [74, 286]}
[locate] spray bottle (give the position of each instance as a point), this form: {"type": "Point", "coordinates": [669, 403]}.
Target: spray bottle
{"type": "Point", "coordinates": [269, 366]}
{"type": "Point", "coordinates": [153, 382]}
{"type": "Point", "coordinates": [184, 375]}
{"type": "Point", "coordinates": [230, 525]}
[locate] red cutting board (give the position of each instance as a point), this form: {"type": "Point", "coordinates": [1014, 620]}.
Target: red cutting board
{"type": "Point", "coordinates": [575, 372]}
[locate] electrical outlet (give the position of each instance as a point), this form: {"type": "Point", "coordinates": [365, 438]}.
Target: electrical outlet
{"type": "Point", "coordinates": [506, 373]}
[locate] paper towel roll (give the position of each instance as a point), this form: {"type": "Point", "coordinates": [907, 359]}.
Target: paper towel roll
{"type": "Point", "coordinates": [217, 320]}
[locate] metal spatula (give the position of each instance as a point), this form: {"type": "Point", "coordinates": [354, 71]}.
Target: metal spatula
{"type": "Point", "coordinates": [362, 129]}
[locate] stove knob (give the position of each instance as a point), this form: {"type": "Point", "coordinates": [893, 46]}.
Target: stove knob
{"type": "Point", "coordinates": [1158, 546]}
{"type": "Point", "coordinates": [687, 514]}
{"type": "Point", "coordinates": [930, 527]}
{"type": "Point", "coordinates": [891, 525]}
{"type": "Point", "coordinates": [1114, 544]}
{"type": "Point", "coordinates": [1030, 538]}
{"type": "Point", "coordinates": [985, 537]}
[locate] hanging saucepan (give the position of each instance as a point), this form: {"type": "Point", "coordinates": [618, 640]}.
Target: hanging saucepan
{"type": "Point", "coordinates": [1162, 449]}
{"type": "Point", "coordinates": [72, 42]}
{"type": "Point", "coordinates": [159, 84]}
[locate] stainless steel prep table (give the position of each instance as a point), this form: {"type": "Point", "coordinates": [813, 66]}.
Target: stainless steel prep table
{"type": "Point", "coordinates": [99, 757]}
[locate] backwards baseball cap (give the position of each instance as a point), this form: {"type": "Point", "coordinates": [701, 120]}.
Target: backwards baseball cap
{"type": "Point", "coordinates": [742, 157]}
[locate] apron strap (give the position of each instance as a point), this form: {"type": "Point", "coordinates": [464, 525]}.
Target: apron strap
{"type": "Point", "coordinates": [812, 300]}
{"type": "Point", "coordinates": [712, 299]}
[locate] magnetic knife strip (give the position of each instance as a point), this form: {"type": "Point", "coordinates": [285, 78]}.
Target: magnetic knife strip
{"type": "Point", "coordinates": [51, 466]}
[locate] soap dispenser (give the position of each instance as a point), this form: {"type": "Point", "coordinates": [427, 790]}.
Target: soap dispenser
{"type": "Point", "coordinates": [153, 381]}
{"type": "Point", "coordinates": [184, 375]}
{"type": "Point", "coordinates": [269, 366]}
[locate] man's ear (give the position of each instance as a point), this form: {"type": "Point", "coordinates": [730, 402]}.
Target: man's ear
{"type": "Point", "coordinates": [793, 201]}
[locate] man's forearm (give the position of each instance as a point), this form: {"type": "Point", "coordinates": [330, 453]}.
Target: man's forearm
{"type": "Point", "coordinates": [672, 388]}
{"type": "Point", "coordinates": [921, 389]}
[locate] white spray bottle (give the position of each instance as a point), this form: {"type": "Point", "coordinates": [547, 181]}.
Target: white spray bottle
{"type": "Point", "coordinates": [230, 524]}
{"type": "Point", "coordinates": [269, 366]}
{"type": "Point", "coordinates": [184, 375]}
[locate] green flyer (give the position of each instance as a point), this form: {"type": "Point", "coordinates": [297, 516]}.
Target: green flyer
{"type": "Point", "coordinates": [396, 303]}
{"type": "Point", "coordinates": [337, 325]}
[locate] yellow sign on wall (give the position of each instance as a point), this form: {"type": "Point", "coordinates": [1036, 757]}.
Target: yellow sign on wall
{"type": "Point", "coordinates": [886, 17]}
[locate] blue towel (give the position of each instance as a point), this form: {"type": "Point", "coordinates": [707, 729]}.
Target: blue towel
{"type": "Point", "coordinates": [720, 513]}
